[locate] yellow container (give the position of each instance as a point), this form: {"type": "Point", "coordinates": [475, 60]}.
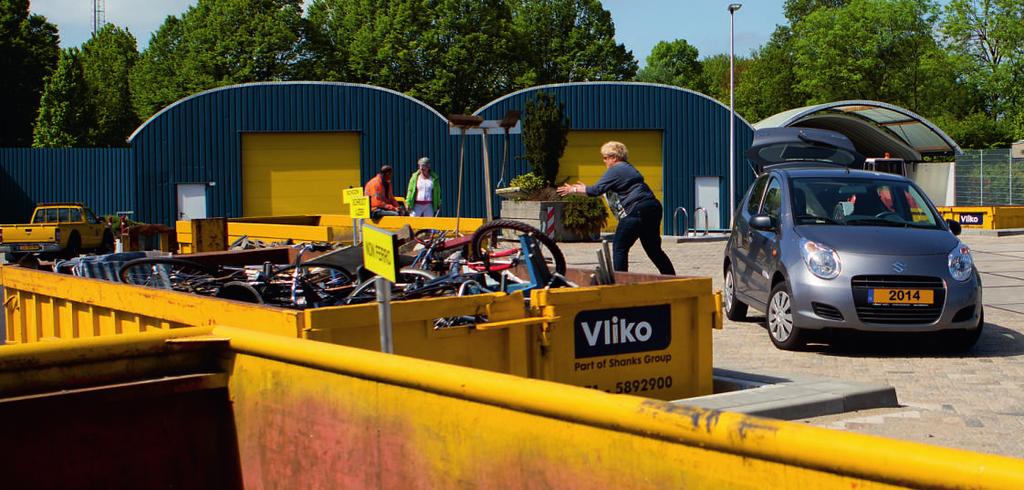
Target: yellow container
{"type": "Point", "coordinates": [665, 354]}
{"type": "Point", "coordinates": [218, 407]}
{"type": "Point", "coordinates": [985, 217]}
{"type": "Point", "coordinates": [316, 228]}
{"type": "Point", "coordinates": [649, 338]}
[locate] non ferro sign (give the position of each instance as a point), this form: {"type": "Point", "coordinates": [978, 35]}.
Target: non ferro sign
{"type": "Point", "coordinates": [351, 193]}
{"type": "Point", "coordinates": [380, 252]}
{"type": "Point", "coordinates": [359, 207]}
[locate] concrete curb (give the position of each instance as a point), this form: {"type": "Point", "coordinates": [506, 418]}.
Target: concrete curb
{"type": "Point", "coordinates": [995, 233]}
{"type": "Point", "coordinates": [790, 397]}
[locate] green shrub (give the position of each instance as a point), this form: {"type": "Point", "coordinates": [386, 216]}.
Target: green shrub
{"type": "Point", "coordinates": [545, 134]}
{"type": "Point", "coordinates": [528, 183]}
{"type": "Point", "coordinates": [584, 215]}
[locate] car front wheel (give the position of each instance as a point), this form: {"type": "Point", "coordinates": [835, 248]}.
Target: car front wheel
{"type": "Point", "coordinates": [779, 319]}
{"type": "Point", "coordinates": [735, 309]}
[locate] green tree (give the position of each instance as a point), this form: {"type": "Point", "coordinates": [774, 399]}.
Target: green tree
{"type": "Point", "coordinates": [986, 39]}
{"type": "Point", "coordinates": [216, 43]}
{"type": "Point", "coordinates": [871, 49]}
{"type": "Point", "coordinates": [977, 131]}
{"type": "Point", "coordinates": [568, 41]}
{"type": "Point", "coordinates": [675, 63]}
{"type": "Point", "coordinates": [766, 86]}
{"type": "Point", "coordinates": [107, 61]}
{"type": "Point", "coordinates": [545, 134]}
{"type": "Point", "coordinates": [66, 113]}
{"type": "Point", "coordinates": [29, 47]}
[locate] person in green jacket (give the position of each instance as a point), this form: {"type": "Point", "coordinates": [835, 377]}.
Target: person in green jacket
{"type": "Point", "coordinates": [424, 194]}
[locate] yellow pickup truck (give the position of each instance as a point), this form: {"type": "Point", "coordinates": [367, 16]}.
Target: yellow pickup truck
{"type": "Point", "coordinates": [65, 228]}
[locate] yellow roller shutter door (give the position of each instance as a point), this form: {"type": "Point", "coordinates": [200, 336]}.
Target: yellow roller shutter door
{"type": "Point", "coordinates": [298, 173]}
{"type": "Point", "coordinates": [582, 158]}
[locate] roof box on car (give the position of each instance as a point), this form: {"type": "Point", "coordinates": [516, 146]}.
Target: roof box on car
{"type": "Point", "coordinates": [803, 147]}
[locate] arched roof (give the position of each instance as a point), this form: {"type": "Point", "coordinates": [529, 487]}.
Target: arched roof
{"type": "Point", "coordinates": [874, 127]}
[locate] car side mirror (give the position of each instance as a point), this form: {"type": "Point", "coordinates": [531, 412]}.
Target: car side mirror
{"type": "Point", "coordinates": [762, 222]}
{"type": "Point", "coordinates": [954, 226]}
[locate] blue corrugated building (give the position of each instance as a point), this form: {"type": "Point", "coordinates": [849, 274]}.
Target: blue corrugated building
{"type": "Point", "coordinates": [290, 147]}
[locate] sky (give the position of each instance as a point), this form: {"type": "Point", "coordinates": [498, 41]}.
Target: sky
{"type": "Point", "coordinates": [639, 24]}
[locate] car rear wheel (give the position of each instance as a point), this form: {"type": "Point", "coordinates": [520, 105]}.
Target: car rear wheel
{"type": "Point", "coordinates": [779, 319]}
{"type": "Point", "coordinates": [735, 309]}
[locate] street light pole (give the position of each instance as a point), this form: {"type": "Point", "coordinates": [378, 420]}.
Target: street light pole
{"type": "Point", "coordinates": [733, 7]}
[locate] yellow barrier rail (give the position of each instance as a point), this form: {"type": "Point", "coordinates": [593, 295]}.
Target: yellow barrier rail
{"type": "Point", "coordinates": [390, 421]}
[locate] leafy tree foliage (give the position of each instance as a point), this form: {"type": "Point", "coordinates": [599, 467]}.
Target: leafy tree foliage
{"type": "Point", "coordinates": [66, 113]}
{"type": "Point", "coordinates": [28, 54]}
{"type": "Point", "coordinates": [675, 63]}
{"type": "Point", "coordinates": [871, 49]}
{"type": "Point", "coordinates": [216, 43]}
{"type": "Point", "coordinates": [766, 87]}
{"type": "Point", "coordinates": [545, 134]}
{"type": "Point", "coordinates": [568, 41]}
{"type": "Point", "coordinates": [107, 60]}
{"type": "Point", "coordinates": [986, 39]}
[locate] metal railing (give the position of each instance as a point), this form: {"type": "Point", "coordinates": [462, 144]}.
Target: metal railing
{"type": "Point", "coordinates": [989, 177]}
{"type": "Point", "coordinates": [696, 215]}
{"type": "Point", "coordinates": [686, 221]}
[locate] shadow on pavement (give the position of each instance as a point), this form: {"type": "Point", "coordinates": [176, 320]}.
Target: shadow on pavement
{"type": "Point", "coordinates": [996, 341]}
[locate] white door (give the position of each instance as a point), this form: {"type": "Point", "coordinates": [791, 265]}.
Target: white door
{"type": "Point", "coordinates": [707, 193]}
{"type": "Point", "coordinates": [191, 201]}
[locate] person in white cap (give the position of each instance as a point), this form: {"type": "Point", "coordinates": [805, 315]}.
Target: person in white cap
{"type": "Point", "coordinates": [424, 191]}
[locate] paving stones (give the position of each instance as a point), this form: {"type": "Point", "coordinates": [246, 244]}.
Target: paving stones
{"type": "Point", "coordinates": [972, 401]}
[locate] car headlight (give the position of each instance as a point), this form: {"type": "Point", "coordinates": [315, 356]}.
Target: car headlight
{"type": "Point", "coordinates": [821, 260]}
{"type": "Point", "coordinates": [961, 264]}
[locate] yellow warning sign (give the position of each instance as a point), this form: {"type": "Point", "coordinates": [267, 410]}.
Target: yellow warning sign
{"type": "Point", "coordinates": [359, 207]}
{"type": "Point", "coordinates": [351, 193]}
{"type": "Point", "coordinates": [380, 252]}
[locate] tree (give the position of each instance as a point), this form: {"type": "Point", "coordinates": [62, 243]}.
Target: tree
{"type": "Point", "coordinates": [217, 43]}
{"type": "Point", "coordinates": [674, 63]}
{"type": "Point", "coordinates": [986, 38]}
{"type": "Point", "coordinates": [66, 113]}
{"type": "Point", "coordinates": [545, 134]}
{"type": "Point", "coordinates": [568, 41]}
{"type": "Point", "coordinates": [107, 61]}
{"type": "Point", "coordinates": [871, 49]}
{"type": "Point", "coordinates": [29, 47]}
{"type": "Point", "coordinates": [766, 87]}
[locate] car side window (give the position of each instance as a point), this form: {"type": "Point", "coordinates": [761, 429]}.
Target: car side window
{"type": "Point", "coordinates": [755, 194]}
{"type": "Point", "coordinates": [773, 199]}
{"type": "Point", "coordinates": [76, 215]}
{"type": "Point", "coordinates": [40, 216]}
{"type": "Point", "coordinates": [51, 215]}
{"type": "Point", "coordinates": [64, 215]}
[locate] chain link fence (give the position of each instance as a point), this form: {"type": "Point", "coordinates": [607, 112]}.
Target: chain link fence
{"type": "Point", "coordinates": [989, 178]}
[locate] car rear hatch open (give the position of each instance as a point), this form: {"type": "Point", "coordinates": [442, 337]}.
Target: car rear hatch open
{"type": "Point", "coordinates": [773, 147]}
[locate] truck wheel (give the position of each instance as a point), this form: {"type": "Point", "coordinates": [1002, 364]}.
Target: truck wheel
{"type": "Point", "coordinates": [74, 246]}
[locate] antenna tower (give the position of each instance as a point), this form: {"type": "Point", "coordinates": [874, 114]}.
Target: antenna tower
{"type": "Point", "coordinates": [98, 15]}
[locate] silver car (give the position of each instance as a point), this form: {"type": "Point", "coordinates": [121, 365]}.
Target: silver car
{"type": "Point", "coordinates": [817, 245]}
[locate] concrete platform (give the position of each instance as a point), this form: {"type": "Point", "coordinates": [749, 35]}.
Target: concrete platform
{"type": "Point", "coordinates": [791, 397]}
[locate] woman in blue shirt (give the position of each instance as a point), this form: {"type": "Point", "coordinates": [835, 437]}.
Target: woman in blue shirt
{"type": "Point", "coordinates": [640, 213]}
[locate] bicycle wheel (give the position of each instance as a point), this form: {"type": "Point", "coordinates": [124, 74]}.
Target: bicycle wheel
{"type": "Point", "coordinates": [366, 291]}
{"type": "Point", "coordinates": [168, 273]}
{"type": "Point", "coordinates": [502, 253]}
{"type": "Point", "coordinates": [315, 285]}
{"type": "Point", "coordinates": [240, 291]}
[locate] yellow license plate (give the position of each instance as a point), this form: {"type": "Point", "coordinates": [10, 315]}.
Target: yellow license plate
{"type": "Point", "coordinates": [30, 247]}
{"type": "Point", "coordinates": [901, 296]}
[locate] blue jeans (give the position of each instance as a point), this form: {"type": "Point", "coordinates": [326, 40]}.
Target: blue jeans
{"type": "Point", "coordinates": [643, 222]}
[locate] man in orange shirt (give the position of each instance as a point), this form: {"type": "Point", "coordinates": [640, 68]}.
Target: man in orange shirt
{"type": "Point", "coordinates": [382, 197]}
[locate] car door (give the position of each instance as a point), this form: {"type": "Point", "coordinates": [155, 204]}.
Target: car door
{"type": "Point", "coordinates": [764, 244]}
{"type": "Point", "coordinates": [742, 266]}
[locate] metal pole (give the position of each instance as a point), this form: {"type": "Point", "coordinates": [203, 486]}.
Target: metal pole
{"type": "Point", "coordinates": [462, 159]}
{"type": "Point", "coordinates": [383, 287]}
{"type": "Point", "coordinates": [1009, 162]}
{"type": "Point", "coordinates": [733, 7]}
{"type": "Point", "coordinates": [487, 179]}
{"type": "Point", "coordinates": [981, 180]}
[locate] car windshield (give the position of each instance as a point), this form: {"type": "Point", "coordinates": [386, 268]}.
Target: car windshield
{"type": "Point", "coordinates": [860, 202]}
